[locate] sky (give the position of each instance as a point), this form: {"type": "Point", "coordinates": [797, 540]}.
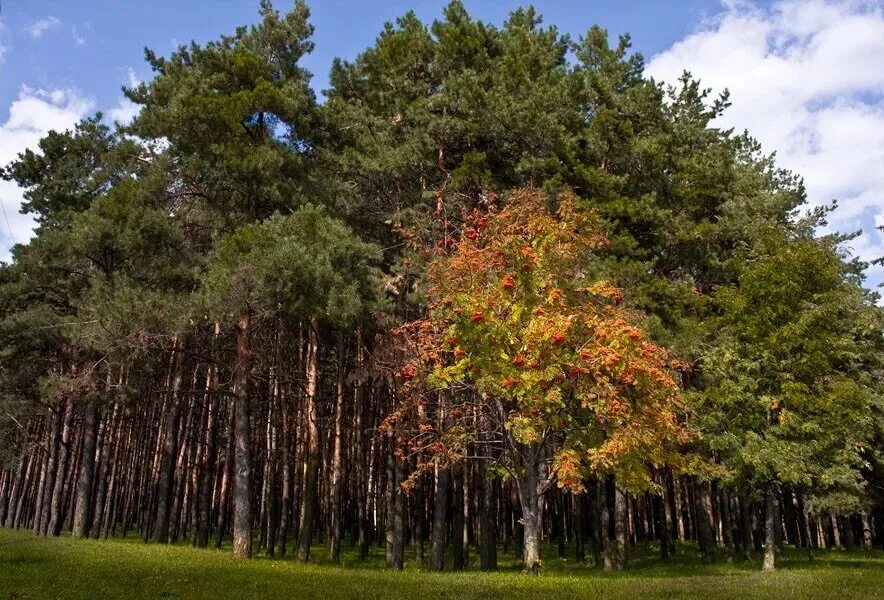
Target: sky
{"type": "Point", "coordinates": [805, 76]}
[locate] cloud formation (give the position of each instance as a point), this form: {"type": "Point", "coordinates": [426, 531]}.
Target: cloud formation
{"type": "Point", "coordinates": [32, 115]}
{"type": "Point", "coordinates": [806, 80]}
{"type": "Point", "coordinates": [41, 26]}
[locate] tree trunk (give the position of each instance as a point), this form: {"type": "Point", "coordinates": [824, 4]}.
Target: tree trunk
{"type": "Point", "coordinates": [620, 527]}
{"type": "Point", "coordinates": [395, 508]}
{"type": "Point", "coordinates": [101, 488]}
{"type": "Point", "coordinates": [207, 483]}
{"type": "Point", "coordinates": [746, 526]}
{"type": "Point", "coordinates": [56, 517]}
{"type": "Point", "coordinates": [336, 466]}
{"type": "Point", "coordinates": [440, 518]}
{"type": "Point", "coordinates": [726, 523]}
{"type": "Point", "coordinates": [311, 480]}
{"type": "Point", "coordinates": [242, 495]}
{"type": "Point", "coordinates": [771, 523]}
{"type": "Point", "coordinates": [457, 519]}
{"type": "Point", "coordinates": [867, 530]}
{"type": "Point", "coordinates": [41, 521]}
{"type": "Point", "coordinates": [227, 475]}
{"type": "Point", "coordinates": [661, 522]}
{"type": "Point", "coordinates": [82, 510]}
{"type": "Point", "coordinates": [165, 480]}
{"type": "Point", "coordinates": [578, 507]}
{"type": "Point", "coordinates": [705, 521]}
{"type": "Point", "coordinates": [487, 522]}
{"type": "Point", "coordinates": [605, 525]}
{"type": "Point", "coordinates": [530, 498]}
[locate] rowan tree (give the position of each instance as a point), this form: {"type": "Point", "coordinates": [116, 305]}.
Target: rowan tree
{"type": "Point", "coordinates": [568, 385]}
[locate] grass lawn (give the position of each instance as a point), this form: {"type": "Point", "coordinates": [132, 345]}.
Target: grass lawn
{"type": "Point", "coordinates": [33, 567]}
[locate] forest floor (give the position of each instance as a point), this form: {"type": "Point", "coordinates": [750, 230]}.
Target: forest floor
{"type": "Point", "coordinates": [32, 567]}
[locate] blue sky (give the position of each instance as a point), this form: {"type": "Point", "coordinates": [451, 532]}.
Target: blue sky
{"type": "Point", "coordinates": [805, 75]}
{"type": "Point", "coordinates": [92, 45]}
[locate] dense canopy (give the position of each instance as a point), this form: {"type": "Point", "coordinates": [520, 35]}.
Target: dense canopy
{"type": "Point", "coordinates": [496, 287]}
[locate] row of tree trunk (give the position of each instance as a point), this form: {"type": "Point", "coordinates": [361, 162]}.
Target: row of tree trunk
{"type": "Point", "coordinates": [284, 454]}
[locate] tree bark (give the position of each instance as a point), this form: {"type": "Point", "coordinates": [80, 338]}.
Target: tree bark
{"type": "Point", "coordinates": [621, 516]}
{"type": "Point", "coordinates": [395, 508]}
{"type": "Point", "coordinates": [530, 499]}
{"type": "Point", "coordinates": [605, 525]}
{"type": "Point", "coordinates": [242, 494]}
{"type": "Point", "coordinates": [56, 517]}
{"type": "Point", "coordinates": [336, 466]}
{"type": "Point", "coordinates": [207, 483]}
{"type": "Point", "coordinates": [440, 518]}
{"type": "Point", "coordinates": [578, 505]}
{"type": "Point", "coordinates": [83, 508]}
{"type": "Point", "coordinates": [746, 526]}
{"type": "Point", "coordinates": [487, 522]}
{"type": "Point", "coordinates": [458, 562]}
{"type": "Point", "coordinates": [771, 523]}
{"type": "Point", "coordinates": [705, 521]}
{"type": "Point", "coordinates": [165, 480]}
{"type": "Point", "coordinates": [311, 480]}
{"type": "Point", "coordinates": [726, 523]}
{"type": "Point", "coordinates": [661, 520]}
{"type": "Point", "coordinates": [41, 522]}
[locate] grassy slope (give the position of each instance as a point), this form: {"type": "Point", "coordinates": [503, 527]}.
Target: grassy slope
{"type": "Point", "coordinates": [64, 568]}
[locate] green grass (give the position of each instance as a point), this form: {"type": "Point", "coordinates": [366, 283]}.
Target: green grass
{"type": "Point", "coordinates": [33, 567]}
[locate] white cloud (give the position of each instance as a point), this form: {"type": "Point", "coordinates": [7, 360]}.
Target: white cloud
{"type": "Point", "coordinates": [79, 38]}
{"type": "Point", "coordinates": [806, 80]}
{"type": "Point", "coordinates": [125, 110]}
{"type": "Point", "coordinates": [31, 116]}
{"type": "Point", "coordinates": [41, 26]}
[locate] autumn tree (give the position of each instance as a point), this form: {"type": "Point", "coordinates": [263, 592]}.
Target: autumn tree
{"type": "Point", "coordinates": [566, 384]}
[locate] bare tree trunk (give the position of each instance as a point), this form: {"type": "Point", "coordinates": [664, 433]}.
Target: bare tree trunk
{"type": "Point", "coordinates": [726, 523]}
{"type": "Point", "coordinates": [227, 475]}
{"type": "Point", "coordinates": [395, 508]}
{"type": "Point", "coordinates": [242, 493]}
{"type": "Point", "coordinates": [83, 508]}
{"type": "Point", "coordinates": [530, 501]}
{"type": "Point", "coordinates": [621, 502]}
{"type": "Point", "coordinates": [771, 523]}
{"type": "Point", "coordinates": [311, 479]}
{"type": "Point", "coordinates": [336, 466]}
{"type": "Point", "coordinates": [457, 521]}
{"type": "Point", "coordinates": [440, 518]}
{"type": "Point", "coordinates": [661, 516]}
{"type": "Point", "coordinates": [705, 522]}
{"type": "Point", "coordinates": [578, 507]}
{"type": "Point", "coordinates": [363, 475]}
{"type": "Point", "coordinates": [41, 522]}
{"type": "Point", "coordinates": [207, 484]}
{"type": "Point", "coordinates": [56, 518]}
{"type": "Point", "coordinates": [746, 526]}
{"type": "Point", "coordinates": [487, 521]}
{"type": "Point", "coordinates": [605, 525]}
{"type": "Point", "coordinates": [867, 530]}
{"type": "Point", "coordinates": [169, 449]}
{"type": "Point", "coordinates": [101, 487]}
{"type": "Point", "coordinates": [286, 509]}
